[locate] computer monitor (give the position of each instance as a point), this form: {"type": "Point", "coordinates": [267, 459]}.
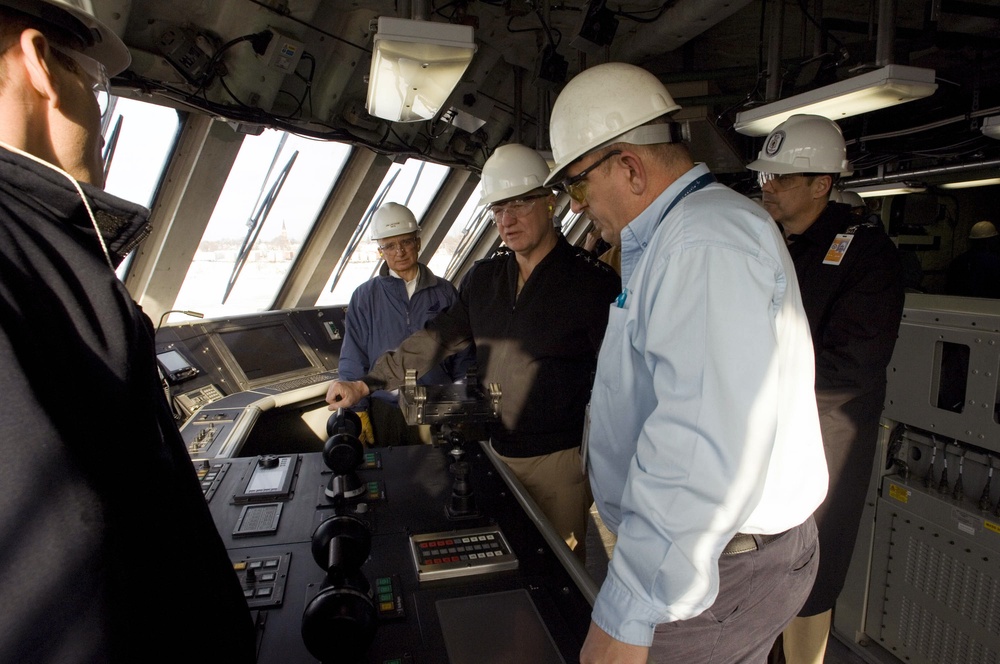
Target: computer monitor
{"type": "Point", "coordinates": [265, 353]}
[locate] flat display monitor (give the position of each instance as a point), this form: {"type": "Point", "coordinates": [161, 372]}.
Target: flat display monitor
{"type": "Point", "coordinates": [266, 353]}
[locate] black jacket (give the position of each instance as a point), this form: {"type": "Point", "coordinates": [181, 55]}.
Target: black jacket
{"type": "Point", "coordinates": [854, 310]}
{"type": "Point", "coordinates": [108, 552]}
{"type": "Point", "coordinates": [540, 346]}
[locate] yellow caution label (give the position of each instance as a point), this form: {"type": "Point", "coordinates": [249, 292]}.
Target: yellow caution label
{"type": "Point", "coordinates": [989, 525]}
{"type": "Point", "coordinates": [899, 493]}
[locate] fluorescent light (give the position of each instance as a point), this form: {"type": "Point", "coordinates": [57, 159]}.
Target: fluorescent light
{"type": "Point", "coordinates": [881, 88]}
{"type": "Point", "coordinates": [415, 66]}
{"type": "Point", "coordinates": [970, 183]}
{"type": "Point", "coordinates": [991, 127]}
{"type": "Point", "coordinates": [888, 189]}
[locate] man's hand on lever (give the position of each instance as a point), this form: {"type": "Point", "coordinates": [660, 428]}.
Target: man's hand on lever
{"type": "Point", "coordinates": [345, 393]}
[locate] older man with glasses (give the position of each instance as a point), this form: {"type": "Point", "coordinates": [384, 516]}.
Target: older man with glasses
{"type": "Point", "coordinates": [83, 535]}
{"type": "Point", "coordinates": [400, 300]}
{"type": "Point", "coordinates": [705, 453]}
{"type": "Point", "coordinates": [536, 313]}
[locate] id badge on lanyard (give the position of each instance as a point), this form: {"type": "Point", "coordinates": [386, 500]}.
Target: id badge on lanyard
{"type": "Point", "coordinates": [835, 254]}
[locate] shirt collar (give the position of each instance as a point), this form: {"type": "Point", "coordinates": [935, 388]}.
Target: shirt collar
{"type": "Point", "coordinates": [638, 233]}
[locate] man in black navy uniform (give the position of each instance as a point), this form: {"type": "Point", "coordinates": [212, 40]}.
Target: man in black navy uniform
{"type": "Point", "coordinates": [108, 552]}
{"type": "Point", "coordinates": [851, 280]}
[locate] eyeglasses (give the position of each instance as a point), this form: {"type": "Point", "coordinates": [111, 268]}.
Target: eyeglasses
{"type": "Point", "coordinates": [518, 208]}
{"type": "Point", "coordinates": [399, 245]}
{"type": "Point", "coordinates": [95, 71]}
{"type": "Point", "coordinates": [576, 186]}
{"type": "Point", "coordinates": [783, 181]}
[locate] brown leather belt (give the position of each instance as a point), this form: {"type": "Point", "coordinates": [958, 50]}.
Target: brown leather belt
{"type": "Point", "coordinates": [744, 543]}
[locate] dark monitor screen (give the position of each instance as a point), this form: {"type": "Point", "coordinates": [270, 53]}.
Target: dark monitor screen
{"type": "Point", "coordinates": [267, 350]}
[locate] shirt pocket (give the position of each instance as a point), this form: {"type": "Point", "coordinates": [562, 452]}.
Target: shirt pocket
{"type": "Point", "coordinates": [611, 362]}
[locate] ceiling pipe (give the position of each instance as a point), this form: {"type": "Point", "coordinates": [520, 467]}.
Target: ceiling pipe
{"type": "Point", "coordinates": [679, 24]}
{"type": "Point", "coordinates": [886, 35]}
{"type": "Point", "coordinates": [518, 103]}
{"type": "Point", "coordinates": [899, 176]}
{"type": "Point", "coordinates": [420, 10]}
{"type": "Point", "coordinates": [776, 21]}
{"type": "Point", "coordinates": [819, 37]}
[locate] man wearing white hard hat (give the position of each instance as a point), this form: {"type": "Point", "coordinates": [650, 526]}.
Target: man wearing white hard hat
{"type": "Point", "coordinates": [386, 309]}
{"type": "Point", "coordinates": [106, 557]}
{"type": "Point", "coordinates": [705, 453]}
{"type": "Point", "coordinates": [536, 313]}
{"type": "Point", "coordinates": [851, 279]}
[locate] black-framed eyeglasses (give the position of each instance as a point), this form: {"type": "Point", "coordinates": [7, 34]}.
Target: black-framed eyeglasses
{"type": "Point", "coordinates": [399, 245]}
{"type": "Point", "coordinates": [95, 71]}
{"type": "Point", "coordinates": [517, 208]}
{"type": "Point", "coordinates": [576, 186]}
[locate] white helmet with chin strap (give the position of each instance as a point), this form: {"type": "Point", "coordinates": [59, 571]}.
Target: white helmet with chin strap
{"type": "Point", "coordinates": [78, 18]}
{"type": "Point", "coordinates": [511, 171]}
{"type": "Point", "coordinates": [393, 219]}
{"type": "Point", "coordinates": [803, 144]}
{"type": "Point", "coordinates": [608, 103]}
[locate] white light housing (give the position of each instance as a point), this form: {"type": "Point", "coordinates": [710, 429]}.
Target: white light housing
{"type": "Point", "coordinates": [888, 189]}
{"type": "Point", "coordinates": [415, 66]}
{"type": "Point", "coordinates": [871, 91]}
{"type": "Point", "coordinates": [991, 127]}
{"type": "Point", "coordinates": [971, 183]}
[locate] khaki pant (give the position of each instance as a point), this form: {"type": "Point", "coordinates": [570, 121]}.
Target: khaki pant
{"type": "Point", "coordinates": [562, 492]}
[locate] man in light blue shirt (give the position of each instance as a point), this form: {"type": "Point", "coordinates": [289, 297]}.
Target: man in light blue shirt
{"type": "Point", "coordinates": [706, 457]}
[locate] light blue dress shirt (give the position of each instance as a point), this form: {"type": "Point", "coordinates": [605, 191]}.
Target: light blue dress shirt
{"type": "Point", "coordinates": [703, 414]}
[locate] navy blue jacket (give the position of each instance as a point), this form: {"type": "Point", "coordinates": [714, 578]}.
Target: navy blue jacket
{"type": "Point", "coordinates": [381, 315]}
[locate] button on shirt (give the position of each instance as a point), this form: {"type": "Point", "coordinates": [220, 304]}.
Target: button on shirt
{"type": "Point", "coordinates": [703, 416]}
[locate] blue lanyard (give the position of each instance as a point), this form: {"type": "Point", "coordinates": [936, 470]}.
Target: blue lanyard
{"type": "Point", "coordinates": [702, 181]}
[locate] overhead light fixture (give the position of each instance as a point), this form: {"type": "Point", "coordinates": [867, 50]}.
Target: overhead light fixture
{"type": "Point", "coordinates": [871, 91]}
{"type": "Point", "coordinates": [991, 127]}
{"type": "Point", "coordinates": [888, 189]}
{"type": "Point", "coordinates": [970, 183]}
{"type": "Point", "coordinates": [415, 67]}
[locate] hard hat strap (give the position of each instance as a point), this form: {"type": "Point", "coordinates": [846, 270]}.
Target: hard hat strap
{"type": "Point", "coordinates": [648, 134]}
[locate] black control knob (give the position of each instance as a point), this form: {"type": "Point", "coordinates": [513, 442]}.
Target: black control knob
{"type": "Point", "coordinates": [342, 453]}
{"type": "Point", "coordinates": [341, 542]}
{"type": "Point", "coordinates": [344, 421]}
{"type": "Point", "coordinates": [338, 624]}
{"type": "Point", "coordinates": [268, 461]}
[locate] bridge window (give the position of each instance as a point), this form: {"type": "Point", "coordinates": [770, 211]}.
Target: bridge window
{"type": "Point", "coordinates": [273, 195]}
{"type": "Point", "coordinates": [465, 233]}
{"type": "Point", "coordinates": [138, 140]}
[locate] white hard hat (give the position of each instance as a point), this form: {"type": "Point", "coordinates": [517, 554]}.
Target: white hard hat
{"type": "Point", "coordinates": [851, 198]}
{"type": "Point", "coordinates": [600, 105]}
{"type": "Point", "coordinates": [804, 144]}
{"type": "Point", "coordinates": [79, 18]}
{"type": "Point", "coordinates": [982, 230]}
{"type": "Point", "coordinates": [393, 219]}
{"type": "Point", "coordinates": [511, 171]}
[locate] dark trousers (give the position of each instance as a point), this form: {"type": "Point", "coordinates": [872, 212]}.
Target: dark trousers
{"type": "Point", "coordinates": [759, 594]}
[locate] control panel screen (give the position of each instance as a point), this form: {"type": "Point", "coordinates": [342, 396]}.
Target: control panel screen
{"type": "Point", "coordinates": [175, 366]}
{"type": "Point", "coordinates": [266, 350]}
